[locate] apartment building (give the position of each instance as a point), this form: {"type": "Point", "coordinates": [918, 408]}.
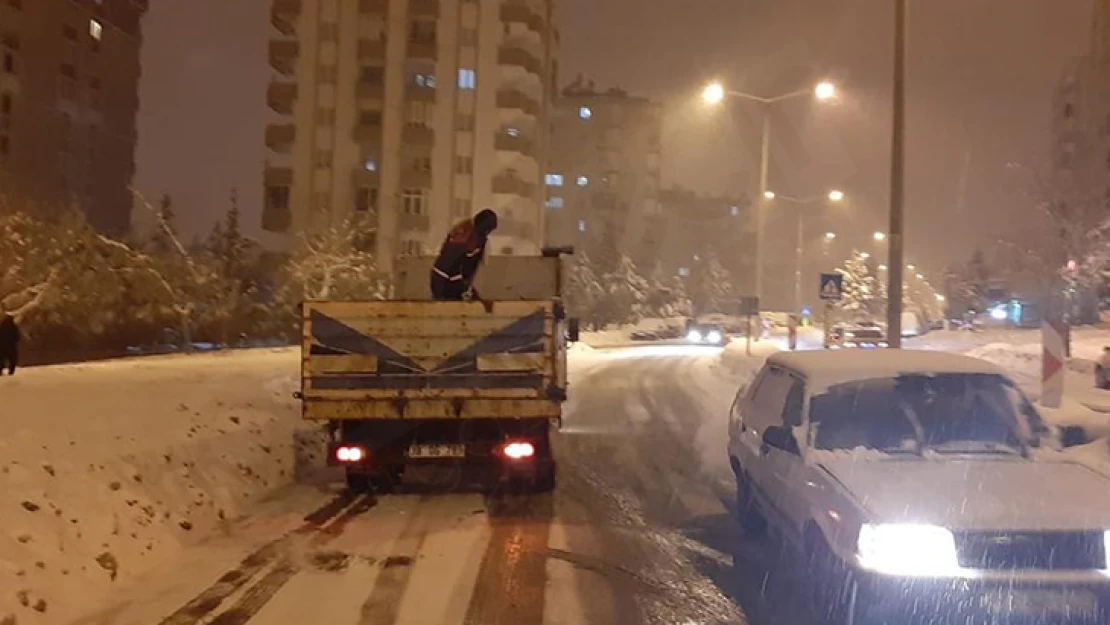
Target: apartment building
{"type": "Point", "coordinates": [401, 117]}
{"type": "Point", "coordinates": [69, 79]}
{"type": "Point", "coordinates": [603, 182]}
{"type": "Point", "coordinates": [693, 228]}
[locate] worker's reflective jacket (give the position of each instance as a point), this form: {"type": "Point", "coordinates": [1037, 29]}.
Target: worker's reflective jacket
{"type": "Point", "coordinates": [461, 254]}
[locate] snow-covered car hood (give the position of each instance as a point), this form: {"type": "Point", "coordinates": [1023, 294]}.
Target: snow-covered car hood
{"type": "Point", "coordinates": [976, 494]}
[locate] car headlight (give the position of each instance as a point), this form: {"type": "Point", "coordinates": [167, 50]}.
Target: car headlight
{"type": "Point", "coordinates": [694, 336]}
{"type": "Point", "coordinates": [713, 336]}
{"type": "Point", "coordinates": [908, 549]}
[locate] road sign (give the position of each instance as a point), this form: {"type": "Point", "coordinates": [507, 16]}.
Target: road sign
{"type": "Point", "coordinates": [832, 287]}
{"type": "Point", "coordinates": [749, 306]}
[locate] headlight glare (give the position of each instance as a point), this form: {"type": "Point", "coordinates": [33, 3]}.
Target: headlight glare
{"type": "Point", "coordinates": [908, 549]}
{"type": "Point", "coordinates": [713, 336]}
{"type": "Point", "coordinates": [694, 336]}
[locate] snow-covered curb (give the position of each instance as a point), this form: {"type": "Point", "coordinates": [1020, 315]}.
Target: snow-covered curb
{"type": "Point", "coordinates": [107, 470]}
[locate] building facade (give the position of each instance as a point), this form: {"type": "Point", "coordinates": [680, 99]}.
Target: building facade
{"type": "Point", "coordinates": [603, 182]}
{"type": "Point", "coordinates": [401, 117]}
{"type": "Point", "coordinates": [69, 84]}
{"type": "Point", "coordinates": [693, 229]}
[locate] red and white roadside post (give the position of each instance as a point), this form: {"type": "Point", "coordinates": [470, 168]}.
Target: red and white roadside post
{"type": "Point", "coordinates": [792, 324]}
{"type": "Point", "coordinates": [1054, 341]}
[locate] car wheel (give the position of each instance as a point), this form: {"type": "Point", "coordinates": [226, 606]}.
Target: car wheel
{"type": "Point", "coordinates": [747, 508]}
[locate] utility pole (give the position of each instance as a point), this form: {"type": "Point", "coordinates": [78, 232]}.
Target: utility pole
{"type": "Point", "coordinates": [895, 239]}
{"type": "Point", "coordinates": [761, 206]}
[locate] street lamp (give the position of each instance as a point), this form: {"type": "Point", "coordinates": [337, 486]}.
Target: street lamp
{"type": "Point", "coordinates": [910, 267]}
{"type": "Point", "coordinates": [836, 196]}
{"type": "Point", "coordinates": [832, 196]}
{"type": "Point", "coordinates": [940, 298]}
{"type": "Point", "coordinates": [880, 236]}
{"type": "Point", "coordinates": [829, 236]}
{"type": "Point", "coordinates": [864, 255]}
{"type": "Point", "coordinates": [714, 94]}
{"type": "Point", "coordinates": [882, 267]}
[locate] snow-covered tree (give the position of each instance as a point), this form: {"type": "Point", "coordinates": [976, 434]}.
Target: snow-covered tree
{"type": "Point", "coordinates": [861, 292]}
{"type": "Point", "coordinates": [332, 265]}
{"type": "Point", "coordinates": [626, 293]}
{"type": "Point", "coordinates": [711, 288]}
{"type": "Point", "coordinates": [584, 292]}
{"type": "Point", "coordinates": [666, 296]}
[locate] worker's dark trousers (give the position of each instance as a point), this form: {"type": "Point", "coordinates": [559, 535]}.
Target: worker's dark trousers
{"type": "Point", "coordinates": [9, 359]}
{"type": "Point", "coordinates": [444, 289]}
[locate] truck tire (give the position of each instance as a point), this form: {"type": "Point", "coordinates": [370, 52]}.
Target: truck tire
{"type": "Point", "coordinates": [545, 481]}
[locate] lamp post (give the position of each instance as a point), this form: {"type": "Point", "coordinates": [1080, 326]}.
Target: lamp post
{"type": "Point", "coordinates": [897, 189]}
{"type": "Point", "coordinates": [714, 94]}
{"type": "Point", "coordinates": [832, 196]}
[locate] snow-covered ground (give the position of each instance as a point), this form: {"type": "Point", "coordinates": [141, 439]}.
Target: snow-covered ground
{"type": "Point", "coordinates": [110, 470]}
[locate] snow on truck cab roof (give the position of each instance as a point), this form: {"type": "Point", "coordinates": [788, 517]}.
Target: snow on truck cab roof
{"type": "Point", "coordinates": [823, 369]}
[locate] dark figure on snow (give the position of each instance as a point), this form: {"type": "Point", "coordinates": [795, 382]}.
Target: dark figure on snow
{"type": "Point", "coordinates": [9, 344]}
{"type": "Point", "coordinates": [457, 264]}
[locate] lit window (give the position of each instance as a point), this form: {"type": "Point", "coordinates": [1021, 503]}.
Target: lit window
{"type": "Point", "coordinates": [684, 272]}
{"type": "Point", "coordinates": [581, 225]}
{"type": "Point", "coordinates": [553, 180]}
{"type": "Point", "coordinates": [468, 79]}
{"type": "Point", "coordinates": [425, 80]}
{"type": "Point", "coordinates": [370, 165]}
{"type": "Point", "coordinates": [96, 30]}
{"type": "Point", "coordinates": [582, 181]}
{"type": "Point", "coordinates": [734, 210]}
{"type": "Point", "coordinates": [512, 131]}
{"type": "Point", "coordinates": [554, 202]}
{"type": "Point", "coordinates": [585, 112]}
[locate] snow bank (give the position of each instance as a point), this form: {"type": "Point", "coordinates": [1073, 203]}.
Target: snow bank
{"type": "Point", "coordinates": [107, 470]}
{"type": "Point", "coordinates": [735, 355]}
{"type": "Point", "coordinates": [1073, 413]}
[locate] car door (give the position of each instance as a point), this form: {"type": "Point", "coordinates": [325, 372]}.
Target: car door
{"type": "Point", "coordinates": [786, 470]}
{"type": "Point", "coordinates": [763, 410]}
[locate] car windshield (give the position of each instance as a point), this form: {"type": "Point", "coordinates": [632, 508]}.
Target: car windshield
{"type": "Point", "coordinates": [943, 413]}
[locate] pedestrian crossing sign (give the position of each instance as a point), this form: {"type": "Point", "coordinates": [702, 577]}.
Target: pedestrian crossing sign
{"type": "Point", "coordinates": [832, 287]}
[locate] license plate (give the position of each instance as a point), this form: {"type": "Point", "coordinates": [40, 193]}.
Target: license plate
{"type": "Point", "coordinates": [437, 451]}
{"type": "Point", "coordinates": [1076, 603]}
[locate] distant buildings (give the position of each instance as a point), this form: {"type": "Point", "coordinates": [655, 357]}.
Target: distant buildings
{"type": "Point", "coordinates": [69, 76]}
{"type": "Point", "coordinates": [692, 229]}
{"type": "Point", "coordinates": [602, 187]}
{"type": "Point", "coordinates": [405, 116]}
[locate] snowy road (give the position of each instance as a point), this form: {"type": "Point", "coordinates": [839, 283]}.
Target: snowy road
{"type": "Point", "coordinates": [638, 530]}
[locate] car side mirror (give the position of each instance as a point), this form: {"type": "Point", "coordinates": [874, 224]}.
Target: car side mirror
{"type": "Point", "coordinates": [573, 329]}
{"type": "Point", "coordinates": [780, 437]}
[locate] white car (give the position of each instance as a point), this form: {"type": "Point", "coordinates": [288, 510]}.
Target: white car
{"type": "Point", "coordinates": [920, 487]}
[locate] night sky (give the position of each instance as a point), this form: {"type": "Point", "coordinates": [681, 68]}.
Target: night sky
{"type": "Point", "coordinates": [981, 79]}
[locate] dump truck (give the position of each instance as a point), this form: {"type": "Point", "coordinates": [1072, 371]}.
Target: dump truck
{"type": "Point", "coordinates": [412, 381]}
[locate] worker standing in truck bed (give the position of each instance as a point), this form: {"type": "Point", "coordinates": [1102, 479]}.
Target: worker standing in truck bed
{"type": "Point", "coordinates": [452, 276]}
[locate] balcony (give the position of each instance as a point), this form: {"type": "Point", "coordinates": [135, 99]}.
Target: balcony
{"type": "Point", "coordinates": [509, 184]}
{"type": "Point", "coordinates": [416, 179]}
{"type": "Point", "coordinates": [424, 49]}
{"type": "Point", "coordinates": [275, 219]}
{"type": "Point", "coordinates": [410, 222]}
{"type": "Point", "coordinates": [520, 12]}
{"type": "Point", "coordinates": [283, 56]}
{"type": "Point", "coordinates": [420, 94]}
{"type": "Point", "coordinates": [362, 178]}
{"type": "Point", "coordinates": [280, 137]}
{"type": "Point", "coordinates": [280, 96]}
{"type": "Point", "coordinates": [413, 134]}
{"type": "Point", "coordinates": [278, 177]}
{"type": "Point", "coordinates": [514, 99]}
{"type": "Point", "coordinates": [288, 9]}
{"type": "Point", "coordinates": [509, 143]}
{"type": "Point", "coordinates": [424, 8]}
{"type": "Point", "coordinates": [370, 90]}
{"type": "Point", "coordinates": [518, 56]}
{"type": "Point", "coordinates": [367, 133]}
{"type": "Point", "coordinates": [371, 49]}
{"type": "Point", "coordinates": [373, 7]}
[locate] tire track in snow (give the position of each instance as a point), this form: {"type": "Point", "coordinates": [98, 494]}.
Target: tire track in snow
{"type": "Point", "coordinates": [210, 599]}
{"type": "Point", "coordinates": [512, 578]}
{"type": "Point", "coordinates": [384, 603]}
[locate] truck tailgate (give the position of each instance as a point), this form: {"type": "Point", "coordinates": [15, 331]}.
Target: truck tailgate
{"type": "Point", "coordinates": [417, 359]}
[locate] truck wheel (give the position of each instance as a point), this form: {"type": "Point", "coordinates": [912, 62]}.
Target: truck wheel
{"type": "Point", "coordinates": [545, 481]}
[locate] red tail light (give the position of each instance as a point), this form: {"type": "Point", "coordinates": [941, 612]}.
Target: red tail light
{"type": "Point", "coordinates": [518, 450]}
{"type": "Point", "coordinates": [350, 454]}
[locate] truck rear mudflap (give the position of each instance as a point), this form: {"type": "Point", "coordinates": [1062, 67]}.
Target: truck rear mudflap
{"type": "Point", "coordinates": [518, 449]}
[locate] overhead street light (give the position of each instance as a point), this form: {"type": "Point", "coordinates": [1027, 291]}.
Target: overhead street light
{"type": "Point", "coordinates": [940, 298]}
{"type": "Point", "coordinates": [829, 236]}
{"type": "Point", "coordinates": [880, 236]}
{"type": "Point", "coordinates": [836, 196]}
{"type": "Point", "coordinates": [714, 94]}
{"type": "Point", "coordinates": [910, 267]}
{"type": "Point", "coordinates": [882, 267]}
{"type": "Point", "coordinates": [864, 255]}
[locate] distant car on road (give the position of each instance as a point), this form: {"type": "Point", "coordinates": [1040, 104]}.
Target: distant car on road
{"type": "Point", "coordinates": [706, 334]}
{"type": "Point", "coordinates": [857, 336]}
{"type": "Point", "coordinates": [920, 487]}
